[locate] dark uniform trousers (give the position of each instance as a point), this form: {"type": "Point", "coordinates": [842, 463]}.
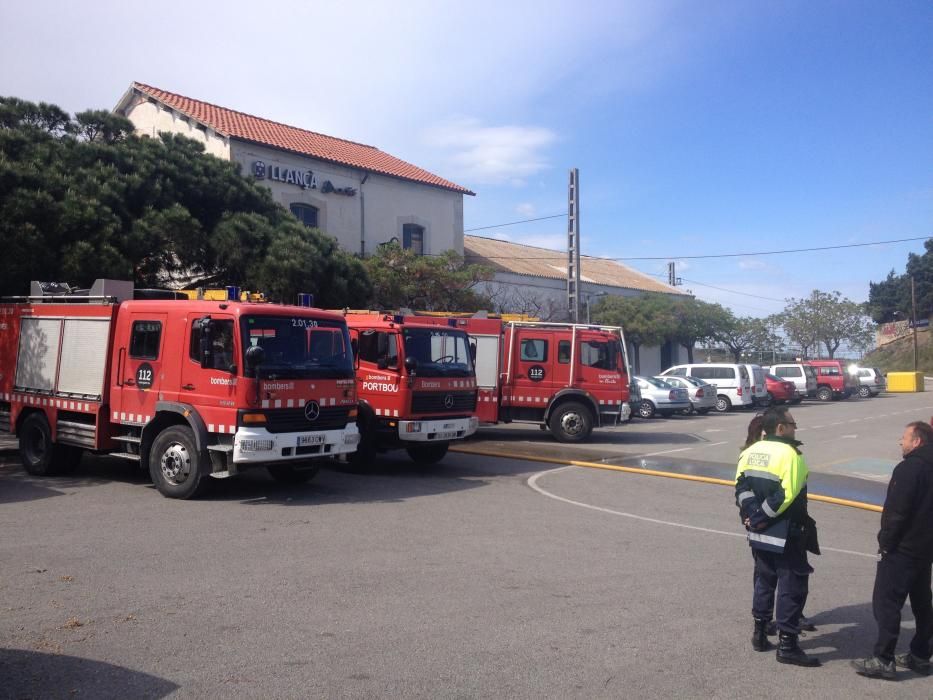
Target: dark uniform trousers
{"type": "Point", "coordinates": [898, 578]}
{"type": "Point", "coordinates": [788, 573]}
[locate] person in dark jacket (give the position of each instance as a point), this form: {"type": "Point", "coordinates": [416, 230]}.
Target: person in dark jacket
{"type": "Point", "coordinates": [771, 493]}
{"type": "Point", "coordinates": [905, 545]}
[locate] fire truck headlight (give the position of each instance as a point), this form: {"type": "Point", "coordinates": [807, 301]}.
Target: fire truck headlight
{"type": "Point", "coordinates": [351, 438]}
{"type": "Point", "coordinates": [413, 427]}
{"type": "Point", "coordinates": [251, 445]}
{"type": "Point", "coordinates": [353, 412]}
{"type": "Point", "coordinates": [474, 422]}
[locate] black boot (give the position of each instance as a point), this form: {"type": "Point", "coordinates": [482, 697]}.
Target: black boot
{"type": "Point", "coordinates": [760, 636]}
{"type": "Point", "coordinates": [789, 653]}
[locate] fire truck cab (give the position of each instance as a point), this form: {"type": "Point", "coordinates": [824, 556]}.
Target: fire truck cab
{"type": "Point", "coordinates": [568, 378]}
{"type": "Point", "coordinates": [416, 386]}
{"type": "Point", "coordinates": [185, 388]}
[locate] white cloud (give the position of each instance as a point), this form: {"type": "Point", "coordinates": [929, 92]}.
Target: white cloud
{"type": "Point", "coordinates": [491, 154]}
{"type": "Point", "coordinates": [526, 209]}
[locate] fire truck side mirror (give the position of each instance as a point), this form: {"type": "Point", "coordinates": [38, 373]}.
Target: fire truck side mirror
{"type": "Point", "coordinates": [206, 347]}
{"type": "Point", "coordinates": [355, 348]}
{"type": "Point", "coordinates": [411, 364]}
{"type": "Point", "coordinates": [473, 350]}
{"type": "Point", "coordinates": [254, 357]}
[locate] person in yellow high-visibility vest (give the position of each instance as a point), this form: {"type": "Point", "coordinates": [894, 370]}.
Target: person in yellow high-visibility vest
{"type": "Point", "coordinates": [771, 493]}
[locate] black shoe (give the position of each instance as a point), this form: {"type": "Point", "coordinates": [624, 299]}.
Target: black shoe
{"type": "Point", "coordinates": [873, 667]}
{"type": "Point", "coordinates": [805, 625]}
{"type": "Point", "coordinates": [914, 663]}
{"type": "Point", "coordinates": [760, 636]}
{"type": "Point", "coordinates": [790, 653]}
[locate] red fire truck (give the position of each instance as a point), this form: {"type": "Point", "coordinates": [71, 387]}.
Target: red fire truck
{"type": "Point", "coordinates": [416, 386]}
{"type": "Point", "coordinates": [187, 389]}
{"type": "Point", "coordinates": [567, 377]}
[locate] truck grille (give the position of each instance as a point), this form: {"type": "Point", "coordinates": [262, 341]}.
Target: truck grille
{"type": "Point", "coordinates": [437, 402]}
{"type": "Point", "coordinates": [292, 420]}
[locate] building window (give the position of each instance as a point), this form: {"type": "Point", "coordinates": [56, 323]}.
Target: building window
{"type": "Point", "coordinates": [413, 238]}
{"type": "Point", "coordinates": [306, 214]}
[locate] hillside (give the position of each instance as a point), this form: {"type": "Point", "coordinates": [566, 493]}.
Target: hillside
{"type": "Point", "coordinates": [899, 355]}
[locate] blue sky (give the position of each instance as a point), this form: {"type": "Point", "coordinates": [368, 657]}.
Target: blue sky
{"type": "Point", "coordinates": [713, 127]}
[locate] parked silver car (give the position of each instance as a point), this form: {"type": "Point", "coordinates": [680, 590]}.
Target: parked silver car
{"type": "Point", "coordinates": [657, 396]}
{"type": "Point", "coordinates": [702, 395]}
{"type": "Point", "coordinates": [871, 381]}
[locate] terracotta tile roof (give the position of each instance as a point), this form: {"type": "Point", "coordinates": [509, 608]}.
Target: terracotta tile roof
{"type": "Point", "coordinates": [519, 259]}
{"type": "Point", "coordinates": [290, 138]}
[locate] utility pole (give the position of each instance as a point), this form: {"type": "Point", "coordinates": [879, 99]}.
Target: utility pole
{"type": "Point", "coordinates": [573, 246]}
{"type": "Point", "coordinates": [672, 274]}
{"type": "Point", "coordinates": [913, 316]}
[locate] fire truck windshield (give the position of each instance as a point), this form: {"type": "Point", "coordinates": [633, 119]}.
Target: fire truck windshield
{"type": "Point", "coordinates": [440, 352]}
{"type": "Point", "coordinates": [296, 347]}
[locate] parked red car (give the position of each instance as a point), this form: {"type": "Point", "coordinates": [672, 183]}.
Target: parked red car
{"type": "Point", "coordinates": [780, 390]}
{"type": "Point", "coordinates": [833, 380]}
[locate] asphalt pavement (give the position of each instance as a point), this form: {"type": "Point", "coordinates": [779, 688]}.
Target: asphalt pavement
{"type": "Point", "coordinates": [480, 577]}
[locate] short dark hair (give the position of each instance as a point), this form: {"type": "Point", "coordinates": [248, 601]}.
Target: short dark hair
{"type": "Point", "coordinates": [772, 418]}
{"type": "Point", "coordinates": [922, 431]}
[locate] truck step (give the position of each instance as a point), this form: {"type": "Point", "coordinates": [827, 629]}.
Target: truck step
{"type": "Point", "coordinates": [128, 438]}
{"type": "Point", "coordinates": [225, 449]}
{"type": "Point", "coordinates": [126, 455]}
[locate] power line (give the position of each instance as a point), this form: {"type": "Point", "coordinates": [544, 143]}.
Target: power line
{"type": "Point", "coordinates": [513, 223]}
{"type": "Point", "coordinates": [699, 257]}
{"type": "Point", "coordinates": [732, 291]}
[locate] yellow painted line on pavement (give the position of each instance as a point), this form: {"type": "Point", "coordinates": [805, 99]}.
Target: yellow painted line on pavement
{"type": "Point", "coordinates": [651, 472]}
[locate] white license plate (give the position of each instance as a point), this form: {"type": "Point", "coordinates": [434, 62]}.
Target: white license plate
{"type": "Point", "coordinates": [304, 440]}
{"type": "Point", "coordinates": [448, 435]}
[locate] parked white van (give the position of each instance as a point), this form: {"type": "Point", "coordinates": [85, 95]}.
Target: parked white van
{"type": "Point", "coordinates": [756, 376]}
{"type": "Point", "coordinates": [732, 382]}
{"type": "Point", "coordinates": [803, 377]}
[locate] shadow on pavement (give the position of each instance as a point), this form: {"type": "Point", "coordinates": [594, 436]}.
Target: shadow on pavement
{"type": "Point", "coordinates": [32, 674]}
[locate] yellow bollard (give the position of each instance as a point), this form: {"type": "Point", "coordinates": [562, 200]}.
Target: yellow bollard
{"type": "Point", "coordinates": [905, 381]}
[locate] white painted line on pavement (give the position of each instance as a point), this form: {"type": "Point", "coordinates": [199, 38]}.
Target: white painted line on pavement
{"type": "Point", "coordinates": [533, 483]}
{"type": "Point", "coordinates": [679, 449]}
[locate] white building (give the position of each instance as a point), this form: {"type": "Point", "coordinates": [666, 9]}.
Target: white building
{"type": "Point", "coordinates": [364, 197]}
{"type": "Point", "coordinates": [356, 193]}
{"type": "Point", "coordinates": [533, 281]}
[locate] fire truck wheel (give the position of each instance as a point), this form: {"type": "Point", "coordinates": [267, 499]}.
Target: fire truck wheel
{"type": "Point", "coordinates": [428, 453]}
{"type": "Point", "coordinates": [36, 449]}
{"type": "Point", "coordinates": [571, 422]}
{"type": "Point", "coordinates": [175, 465]}
{"type": "Point", "coordinates": [288, 474]}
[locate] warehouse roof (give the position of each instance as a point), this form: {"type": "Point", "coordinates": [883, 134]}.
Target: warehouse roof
{"type": "Point", "coordinates": [520, 259]}
{"type": "Point", "coordinates": [240, 125]}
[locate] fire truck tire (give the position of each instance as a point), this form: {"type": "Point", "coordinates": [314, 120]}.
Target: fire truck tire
{"type": "Point", "coordinates": [288, 474]}
{"type": "Point", "coordinates": [428, 453]}
{"type": "Point", "coordinates": [36, 449]}
{"type": "Point", "coordinates": [824, 393]}
{"type": "Point", "coordinates": [175, 463]}
{"type": "Point", "coordinates": [571, 422]}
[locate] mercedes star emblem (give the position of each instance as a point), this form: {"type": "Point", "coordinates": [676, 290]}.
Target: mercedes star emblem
{"type": "Point", "coordinates": [312, 411]}
{"type": "Point", "coordinates": [449, 401]}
